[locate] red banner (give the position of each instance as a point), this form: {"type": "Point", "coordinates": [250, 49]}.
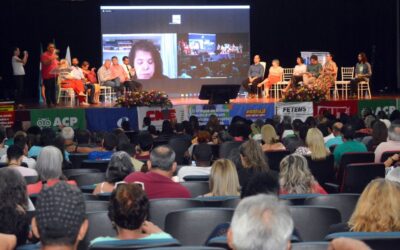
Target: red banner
{"type": "Point", "coordinates": [349, 107]}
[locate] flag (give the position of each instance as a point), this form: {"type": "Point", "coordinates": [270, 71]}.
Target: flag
{"type": "Point", "coordinates": [40, 82]}
{"type": "Point", "coordinates": [68, 56]}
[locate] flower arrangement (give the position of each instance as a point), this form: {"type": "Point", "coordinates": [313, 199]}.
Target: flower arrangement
{"type": "Point", "coordinates": [144, 98]}
{"type": "Point", "coordinates": [305, 93]}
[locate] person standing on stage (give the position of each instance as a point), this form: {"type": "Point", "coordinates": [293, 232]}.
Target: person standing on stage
{"type": "Point", "coordinates": [255, 76]}
{"type": "Point", "coordinates": [19, 73]}
{"type": "Point", "coordinates": [77, 74]}
{"type": "Point", "coordinates": [49, 60]}
{"type": "Point", "coordinates": [107, 78]}
{"type": "Point", "coordinates": [363, 72]}
{"type": "Point", "coordinates": [130, 72]}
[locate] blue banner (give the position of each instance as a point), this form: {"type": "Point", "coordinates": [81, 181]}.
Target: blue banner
{"type": "Point", "coordinates": [203, 112]}
{"type": "Point", "coordinates": [107, 119]}
{"type": "Point", "coordinates": [253, 111]}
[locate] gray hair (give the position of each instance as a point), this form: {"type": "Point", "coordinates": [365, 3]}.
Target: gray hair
{"type": "Point", "coordinates": [162, 157]}
{"type": "Point", "coordinates": [394, 131]}
{"type": "Point", "coordinates": [49, 163]}
{"type": "Point", "coordinates": [68, 133]}
{"type": "Point", "coordinates": [261, 222]}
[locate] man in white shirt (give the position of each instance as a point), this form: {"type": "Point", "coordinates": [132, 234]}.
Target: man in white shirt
{"type": "Point", "coordinates": [130, 72]}
{"type": "Point", "coordinates": [19, 73]}
{"type": "Point", "coordinates": [202, 154]}
{"type": "Point", "coordinates": [14, 154]}
{"type": "Point", "coordinates": [22, 142]}
{"type": "Point", "coordinates": [107, 78]}
{"type": "Point", "coordinates": [77, 73]}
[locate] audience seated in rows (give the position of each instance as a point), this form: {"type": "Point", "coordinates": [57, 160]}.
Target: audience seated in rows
{"type": "Point", "coordinates": [349, 145]}
{"type": "Point", "coordinates": [15, 156]}
{"type": "Point", "coordinates": [224, 179]}
{"type": "Point", "coordinates": [119, 167]}
{"type": "Point", "coordinates": [202, 156]}
{"type": "Point", "coordinates": [79, 143]}
{"type": "Point", "coordinates": [109, 143]}
{"type": "Point", "coordinates": [157, 182]}
{"type": "Point", "coordinates": [130, 150]}
{"type": "Point", "coordinates": [392, 144]}
{"type": "Point", "coordinates": [315, 145]}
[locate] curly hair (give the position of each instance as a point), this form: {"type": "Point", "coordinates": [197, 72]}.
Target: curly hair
{"type": "Point", "coordinates": [378, 208]}
{"type": "Point", "coordinates": [129, 206]}
{"type": "Point", "coordinates": [148, 46]}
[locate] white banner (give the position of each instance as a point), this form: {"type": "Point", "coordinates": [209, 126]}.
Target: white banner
{"type": "Point", "coordinates": [158, 115]}
{"type": "Point", "coordinates": [295, 110]}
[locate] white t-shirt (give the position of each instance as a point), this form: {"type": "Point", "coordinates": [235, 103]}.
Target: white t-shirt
{"type": "Point", "coordinates": [29, 161]}
{"type": "Point", "coordinates": [127, 69]}
{"type": "Point", "coordinates": [299, 69]}
{"type": "Point", "coordinates": [18, 67]}
{"type": "Point", "coordinates": [189, 170]}
{"type": "Point", "coordinates": [25, 171]}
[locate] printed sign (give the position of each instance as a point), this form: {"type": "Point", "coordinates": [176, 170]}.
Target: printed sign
{"type": "Point", "coordinates": [55, 118]}
{"type": "Point", "coordinates": [295, 110]}
{"type": "Point", "coordinates": [203, 112]}
{"type": "Point", "coordinates": [349, 107]}
{"type": "Point", "coordinates": [7, 114]}
{"type": "Point", "coordinates": [253, 111]}
{"type": "Point", "coordinates": [107, 119]}
{"type": "Point", "coordinates": [377, 105]}
{"type": "Point", "coordinates": [158, 115]}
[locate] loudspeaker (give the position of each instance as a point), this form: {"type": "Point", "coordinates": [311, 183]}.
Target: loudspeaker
{"type": "Point", "coordinates": [219, 94]}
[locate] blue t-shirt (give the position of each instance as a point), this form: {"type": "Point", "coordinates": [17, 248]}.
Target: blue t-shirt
{"type": "Point", "coordinates": [100, 155]}
{"type": "Point", "coordinates": [334, 141]}
{"type": "Point", "coordinates": [34, 151]}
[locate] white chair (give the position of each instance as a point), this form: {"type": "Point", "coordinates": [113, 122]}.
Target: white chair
{"type": "Point", "coordinates": [363, 89]}
{"type": "Point", "coordinates": [279, 86]}
{"type": "Point", "coordinates": [68, 95]}
{"type": "Point", "coordinates": [343, 85]}
{"type": "Point", "coordinates": [106, 92]}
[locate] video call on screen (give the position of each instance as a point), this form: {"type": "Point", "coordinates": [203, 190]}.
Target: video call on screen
{"type": "Point", "coordinates": [202, 43]}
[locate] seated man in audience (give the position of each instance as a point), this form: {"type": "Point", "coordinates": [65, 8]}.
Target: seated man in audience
{"type": "Point", "coordinates": [109, 144]}
{"type": "Point", "coordinates": [14, 156]}
{"type": "Point", "coordinates": [107, 78]}
{"type": "Point", "coordinates": [336, 131]}
{"type": "Point", "coordinates": [158, 183]}
{"type": "Point", "coordinates": [22, 142]}
{"type": "Point", "coordinates": [202, 155]}
{"type": "Point", "coordinates": [144, 146]}
{"type": "Point", "coordinates": [349, 144]}
{"type": "Point", "coordinates": [60, 221]}
{"type": "Point", "coordinates": [261, 222]}
{"type": "Point", "coordinates": [392, 144]}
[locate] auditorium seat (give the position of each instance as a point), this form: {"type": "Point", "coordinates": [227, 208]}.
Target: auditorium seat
{"type": "Point", "coordinates": [88, 179]}
{"type": "Point", "coordinates": [387, 154]}
{"type": "Point", "coordinates": [296, 199]}
{"type": "Point", "coordinates": [358, 175]}
{"type": "Point", "coordinates": [77, 158]}
{"type": "Point", "coordinates": [318, 245]}
{"type": "Point", "coordinates": [196, 177]}
{"type": "Point", "coordinates": [196, 188]}
{"type": "Point", "coordinates": [180, 146]}
{"type": "Point", "coordinates": [348, 158]}
{"type": "Point", "coordinates": [187, 248]}
{"type": "Point", "coordinates": [193, 226]}
{"type": "Point", "coordinates": [31, 179]}
{"type": "Point", "coordinates": [70, 172]}
{"type": "Point", "coordinates": [226, 147]}
{"type": "Point", "coordinates": [274, 158]}
{"type": "Point", "coordinates": [159, 208]}
{"type": "Point", "coordinates": [96, 206]}
{"type": "Point", "coordinates": [215, 201]}
{"type": "Point", "coordinates": [135, 244]}
{"type": "Point", "coordinates": [312, 222]}
{"type": "Point", "coordinates": [345, 203]}
{"type": "Point", "coordinates": [100, 165]}
{"type": "Point", "coordinates": [99, 225]}
{"type": "Point", "coordinates": [375, 240]}
{"type": "Point", "coordinates": [323, 170]}
{"type": "Point", "coordinates": [231, 203]}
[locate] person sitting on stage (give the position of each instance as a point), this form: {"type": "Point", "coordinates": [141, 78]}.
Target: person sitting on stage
{"type": "Point", "coordinates": [313, 71]}
{"type": "Point", "coordinates": [329, 73]}
{"type": "Point", "coordinates": [107, 78]}
{"type": "Point", "coordinates": [363, 72]}
{"type": "Point", "coordinates": [77, 72]}
{"type": "Point", "coordinates": [69, 80]}
{"type": "Point", "coordinates": [275, 75]}
{"type": "Point", "coordinates": [255, 76]}
{"type": "Point", "coordinates": [130, 72]}
{"type": "Point", "coordinates": [299, 70]}
{"type": "Point", "coordinates": [91, 78]}
{"type": "Point", "coordinates": [146, 60]}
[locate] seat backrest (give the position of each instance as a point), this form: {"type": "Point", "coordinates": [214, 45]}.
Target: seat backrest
{"type": "Point", "coordinates": [197, 188]}
{"type": "Point", "coordinates": [216, 201]}
{"type": "Point", "coordinates": [96, 206]}
{"type": "Point", "coordinates": [318, 245]}
{"type": "Point", "coordinates": [78, 171]}
{"type": "Point", "coordinates": [88, 179]}
{"type": "Point", "coordinates": [193, 226]}
{"type": "Point", "coordinates": [387, 154]}
{"type": "Point", "coordinates": [345, 203]}
{"type": "Point", "coordinates": [31, 179]}
{"type": "Point", "coordinates": [287, 74]}
{"type": "Point", "coordinates": [159, 208]}
{"type": "Point", "coordinates": [100, 165]}
{"type": "Point", "coordinates": [77, 158]}
{"type": "Point", "coordinates": [323, 170]}
{"type": "Point", "coordinates": [274, 158]}
{"type": "Point", "coordinates": [358, 175]}
{"type": "Point", "coordinates": [226, 147]}
{"type": "Point", "coordinates": [348, 158]}
{"type": "Point", "coordinates": [134, 244]}
{"type": "Point", "coordinates": [180, 146]}
{"type": "Point", "coordinates": [196, 177]}
{"type": "Point", "coordinates": [296, 199]}
{"type": "Point", "coordinates": [187, 248]}
{"type": "Point", "coordinates": [313, 222]}
{"type": "Point", "coordinates": [99, 225]}
{"type": "Point", "coordinates": [231, 203]}
{"type": "Point", "coordinates": [375, 240]}
{"type": "Point", "coordinates": [264, 64]}
{"type": "Point", "coordinates": [347, 73]}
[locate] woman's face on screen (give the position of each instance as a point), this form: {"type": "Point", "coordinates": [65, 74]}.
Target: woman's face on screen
{"type": "Point", "coordinates": [144, 65]}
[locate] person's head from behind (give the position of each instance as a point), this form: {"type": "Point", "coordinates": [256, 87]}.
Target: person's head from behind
{"type": "Point", "coordinates": [348, 132]}
{"type": "Point", "coordinates": [224, 180]}
{"type": "Point", "coordinates": [127, 148]}
{"type": "Point", "coordinates": [256, 59]}
{"type": "Point", "coordinates": [394, 131]}
{"type": "Point", "coordinates": [261, 222]}
{"type": "Point", "coordinates": [166, 127]}
{"type": "Point", "coordinates": [22, 142]}
{"type": "Point", "coordinates": [110, 141]}
{"type": "Point", "coordinates": [316, 144]}
{"type": "Point", "coordinates": [295, 176]}
{"type": "Point", "coordinates": [202, 154]}
{"type": "Point", "coordinates": [47, 137]}
{"type": "Point", "coordinates": [15, 154]}
{"type": "Point", "coordinates": [129, 207]}
{"type": "Point", "coordinates": [269, 135]}
{"type": "Point", "coordinates": [203, 136]}
{"type": "Point", "coordinates": [314, 59]}
{"type": "Point", "coordinates": [146, 121]}
{"type": "Point", "coordinates": [119, 167]}
{"type": "Point", "coordinates": [252, 156]}
{"type": "Point", "coordinates": [146, 141]}
{"type": "Point", "coordinates": [13, 193]}
{"type": "Point", "coordinates": [83, 136]}
{"type": "Point", "coordinates": [337, 128]}
{"type": "Point", "coordinates": [162, 159]}
{"type": "Point", "coordinates": [379, 132]}
{"type": "Point", "coordinates": [68, 133]}
{"type": "Point", "coordinates": [261, 183]}
{"type": "Point", "coordinates": [60, 218]}
{"type": "Point", "coordinates": [146, 60]}
{"type": "Point", "coordinates": [299, 60]}
{"type": "Point", "coordinates": [324, 128]}
{"type": "Point", "coordinates": [49, 163]}
{"type": "Point", "coordinates": [378, 208]}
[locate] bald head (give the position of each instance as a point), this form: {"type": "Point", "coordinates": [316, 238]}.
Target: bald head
{"type": "Point", "coordinates": [162, 158]}
{"type": "Point", "coordinates": [336, 128]}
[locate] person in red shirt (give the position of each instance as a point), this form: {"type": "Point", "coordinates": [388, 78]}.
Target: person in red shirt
{"type": "Point", "coordinates": [49, 60]}
{"type": "Point", "coordinates": [157, 182]}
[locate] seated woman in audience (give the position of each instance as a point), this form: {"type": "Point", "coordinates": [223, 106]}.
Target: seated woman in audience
{"type": "Point", "coordinates": [379, 135]}
{"type": "Point", "coordinates": [119, 167]}
{"type": "Point", "coordinates": [49, 167]}
{"type": "Point", "coordinates": [128, 212]}
{"type": "Point", "coordinates": [224, 179]}
{"type": "Point", "coordinates": [315, 145]}
{"type": "Point", "coordinates": [329, 73]}
{"type": "Point", "coordinates": [67, 80]}
{"type": "Point", "coordinates": [13, 206]}
{"type": "Point", "coordinates": [296, 178]}
{"type": "Point", "coordinates": [275, 75]}
{"type": "Point", "coordinates": [377, 209]}
{"type": "Point", "coordinates": [91, 78]}
{"type": "Point", "coordinates": [270, 139]}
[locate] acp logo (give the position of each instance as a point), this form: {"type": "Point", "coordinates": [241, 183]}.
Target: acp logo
{"type": "Point", "coordinates": [44, 122]}
{"type": "Point", "coordinates": [65, 121]}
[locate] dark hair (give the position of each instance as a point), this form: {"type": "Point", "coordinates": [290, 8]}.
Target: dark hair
{"type": "Point", "coordinates": [148, 46]}
{"type": "Point", "coordinates": [127, 148]}
{"type": "Point", "coordinates": [261, 183]}
{"type": "Point", "coordinates": [202, 152]}
{"type": "Point", "coordinates": [114, 57]}
{"type": "Point", "coordinates": [296, 124]}
{"type": "Point", "coordinates": [119, 167]}
{"type": "Point", "coordinates": [85, 63]}
{"type": "Point", "coordinates": [146, 121]}
{"type": "Point", "coordinates": [311, 122]}
{"type": "Point", "coordinates": [124, 57]}
{"type": "Point", "coordinates": [194, 122]}
{"type": "Point", "coordinates": [145, 141]}
{"type": "Point", "coordinates": [303, 132]}
{"type": "Point", "coordinates": [21, 141]}
{"type": "Point", "coordinates": [314, 57]}
{"type": "Point", "coordinates": [379, 132]}
{"type": "Point", "coordinates": [122, 138]}
{"type": "Point", "coordinates": [14, 152]}
{"type": "Point", "coordinates": [167, 128]}
{"type": "Point", "coordinates": [34, 130]}
{"type": "Point", "coordinates": [395, 115]}
{"type": "Point", "coordinates": [179, 128]}
{"type": "Point", "coordinates": [364, 58]}
{"type": "Point", "coordinates": [348, 131]}
{"type": "Point", "coordinates": [2, 136]}
{"type": "Point", "coordinates": [129, 206]}
{"type": "Point", "coordinates": [126, 125]}
{"type": "Point", "coordinates": [188, 129]}
{"type": "Point", "coordinates": [240, 128]}
{"type": "Point", "coordinates": [82, 136]}
{"type": "Point", "coordinates": [324, 129]}
{"type": "Point", "coordinates": [110, 141]}
{"type": "Point", "coordinates": [152, 130]}
{"type": "Point", "coordinates": [47, 137]}
{"type": "Point", "coordinates": [301, 59]}
{"type": "Point", "coordinates": [382, 115]}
